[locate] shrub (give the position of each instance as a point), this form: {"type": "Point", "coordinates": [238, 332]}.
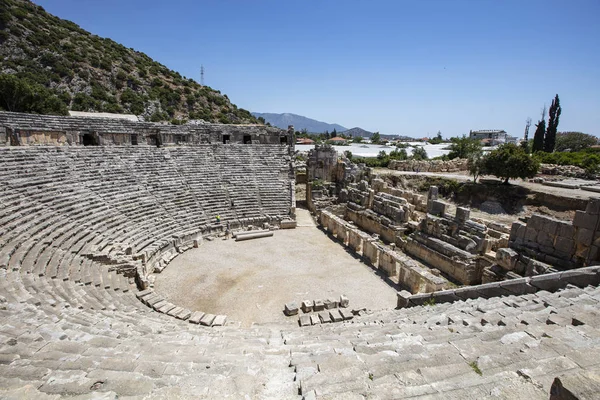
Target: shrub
{"type": "Point", "coordinates": [510, 161]}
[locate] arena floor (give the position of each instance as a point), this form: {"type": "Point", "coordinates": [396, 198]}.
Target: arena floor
{"type": "Point", "coordinates": [250, 281]}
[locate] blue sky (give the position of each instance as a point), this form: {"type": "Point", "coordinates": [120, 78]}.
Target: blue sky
{"type": "Point", "coordinates": [398, 67]}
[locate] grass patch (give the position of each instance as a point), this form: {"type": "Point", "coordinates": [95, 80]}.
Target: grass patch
{"type": "Point", "coordinates": [475, 368]}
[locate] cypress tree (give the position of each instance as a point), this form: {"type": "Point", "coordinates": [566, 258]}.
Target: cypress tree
{"type": "Point", "coordinates": [538, 137]}
{"type": "Point", "coordinates": [554, 115]}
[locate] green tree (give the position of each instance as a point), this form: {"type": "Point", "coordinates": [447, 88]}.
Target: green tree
{"type": "Point", "coordinates": [510, 161]}
{"type": "Point", "coordinates": [463, 147]}
{"type": "Point", "coordinates": [553, 118]}
{"type": "Point", "coordinates": [538, 136]}
{"type": "Point", "coordinates": [334, 133]}
{"type": "Point", "coordinates": [398, 154]}
{"type": "Point", "coordinates": [15, 94]}
{"type": "Point", "coordinates": [357, 139]}
{"type": "Point", "coordinates": [437, 139]}
{"type": "Point", "coordinates": [376, 138]}
{"type": "Point", "coordinates": [574, 141]}
{"type": "Point", "coordinates": [476, 165]}
{"type": "Point", "coordinates": [419, 153]}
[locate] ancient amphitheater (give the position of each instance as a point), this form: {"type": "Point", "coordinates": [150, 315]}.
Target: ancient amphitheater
{"type": "Point", "coordinates": [92, 210]}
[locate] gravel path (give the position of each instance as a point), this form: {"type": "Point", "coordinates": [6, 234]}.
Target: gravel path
{"type": "Point", "coordinates": [250, 281]}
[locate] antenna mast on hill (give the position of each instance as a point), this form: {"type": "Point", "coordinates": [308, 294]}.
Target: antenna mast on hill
{"type": "Point", "coordinates": [202, 75]}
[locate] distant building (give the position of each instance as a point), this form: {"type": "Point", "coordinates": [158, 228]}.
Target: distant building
{"type": "Point", "coordinates": [304, 141]}
{"type": "Point", "coordinates": [337, 140]}
{"type": "Point", "coordinates": [489, 137]}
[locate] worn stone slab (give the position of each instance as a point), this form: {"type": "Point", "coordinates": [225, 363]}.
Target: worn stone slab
{"type": "Point", "coordinates": [196, 317]}
{"type": "Point", "coordinates": [346, 314]}
{"type": "Point", "coordinates": [184, 314]}
{"type": "Point", "coordinates": [335, 315]}
{"type": "Point", "coordinates": [419, 299]}
{"type": "Point", "coordinates": [580, 278]}
{"type": "Point", "coordinates": [518, 286]}
{"type": "Point", "coordinates": [314, 319]}
{"type": "Point", "coordinates": [207, 319]}
{"type": "Point", "coordinates": [444, 296]}
{"type": "Point", "coordinates": [219, 320]}
{"type": "Point", "coordinates": [174, 311]}
{"type": "Point", "coordinates": [549, 282]}
{"type": "Point", "coordinates": [324, 317]}
{"type": "Point", "coordinates": [304, 320]}
{"type": "Point", "coordinates": [144, 293]}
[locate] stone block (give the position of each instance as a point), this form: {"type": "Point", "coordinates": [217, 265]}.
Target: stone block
{"type": "Point", "coordinates": [593, 207]}
{"type": "Point", "coordinates": [314, 319]}
{"type": "Point", "coordinates": [580, 278]}
{"type": "Point", "coordinates": [564, 244]}
{"type": "Point", "coordinates": [307, 306]}
{"type": "Point", "coordinates": [444, 296]}
{"type": "Point", "coordinates": [549, 226]}
{"type": "Point", "coordinates": [489, 290]}
{"type": "Point", "coordinates": [196, 317]}
{"type": "Point", "coordinates": [462, 214]}
{"type": "Point", "coordinates": [318, 305]}
{"type": "Point", "coordinates": [346, 314]}
{"type": "Point", "coordinates": [324, 317]}
{"type": "Point", "coordinates": [566, 229]}
{"type": "Point", "coordinates": [420, 299]}
{"type": "Point", "coordinates": [514, 230]}
{"type": "Point", "coordinates": [535, 222]}
{"type": "Point", "coordinates": [536, 267]}
{"type": "Point", "coordinates": [467, 292]}
{"type": "Point", "coordinates": [549, 282]}
{"type": "Point", "coordinates": [291, 309]}
{"type": "Point", "coordinates": [531, 234]}
{"type": "Point", "coordinates": [344, 301]}
{"type": "Point", "coordinates": [576, 385]}
{"type": "Point", "coordinates": [330, 304]}
{"type": "Point", "coordinates": [304, 320]}
{"type": "Point", "coordinates": [585, 236]}
{"type": "Point", "coordinates": [518, 286]}
{"type": "Point", "coordinates": [432, 194]}
{"type": "Point", "coordinates": [438, 207]}
{"type": "Point", "coordinates": [507, 258]}
{"type": "Point", "coordinates": [335, 315]}
{"type": "Point", "coordinates": [219, 320]}
{"type": "Point", "coordinates": [584, 220]}
{"type": "Point", "coordinates": [403, 299]}
{"type": "Point", "coordinates": [207, 319]}
{"type": "Point", "coordinates": [545, 239]}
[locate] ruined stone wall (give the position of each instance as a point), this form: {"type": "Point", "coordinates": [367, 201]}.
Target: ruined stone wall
{"type": "Point", "coordinates": [456, 165]}
{"type": "Point", "coordinates": [559, 243]}
{"type": "Point", "coordinates": [394, 264]}
{"type": "Point", "coordinates": [322, 163]}
{"type": "Point", "coordinates": [32, 129]}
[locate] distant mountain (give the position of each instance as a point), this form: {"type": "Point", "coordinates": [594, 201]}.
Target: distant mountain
{"type": "Point", "coordinates": [355, 132]}
{"type": "Point", "coordinates": [284, 120]}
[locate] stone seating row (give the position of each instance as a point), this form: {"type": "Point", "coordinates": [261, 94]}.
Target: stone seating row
{"type": "Point", "coordinates": [158, 303]}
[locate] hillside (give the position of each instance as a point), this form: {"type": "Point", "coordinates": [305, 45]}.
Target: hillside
{"type": "Point", "coordinates": [300, 123]}
{"type": "Point", "coordinates": [50, 65]}
{"type": "Point", "coordinates": [355, 132]}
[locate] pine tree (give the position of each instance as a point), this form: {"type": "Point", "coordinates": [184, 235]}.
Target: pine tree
{"type": "Point", "coordinates": [554, 115]}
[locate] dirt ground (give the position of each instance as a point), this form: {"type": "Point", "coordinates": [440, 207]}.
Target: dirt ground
{"type": "Point", "coordinates": [250, 281]}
